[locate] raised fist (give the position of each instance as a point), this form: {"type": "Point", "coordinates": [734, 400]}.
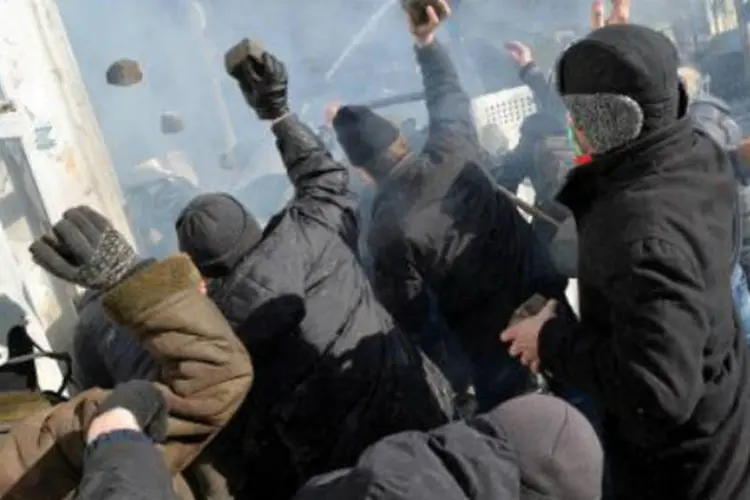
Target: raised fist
{"type": "Point", "coordinates": [425, 17]}
{"type": "Point", "coordinates": [520, 53]}
{"type": "Point", "coordinates": [330, 112]}
{"type": "Point", "coordinates": [84, 249]}
{"type": "Point", "coordinates": [620, 13]}
{"type": "Point", "coordinates": [262, 78]}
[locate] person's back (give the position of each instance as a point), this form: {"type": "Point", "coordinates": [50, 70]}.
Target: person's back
{"type": "Point", "coordinates": [483, 269]}
{"type": "Point", "coordinates": [305, 274]}
{"type": "Point", "coordinates": [444, 240]}
{"type": "Point", "coordinates": [332, 373]}
{"type": "Point", "coordinates": [476, 252]}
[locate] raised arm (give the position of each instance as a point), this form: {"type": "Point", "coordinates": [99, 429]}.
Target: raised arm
{"type": "Point", "coordinates": [544, 92]}
{"type": "Point", "coordinates": [264, 81]}
{"type": "Point", "coordinates": [311, 169]}
{"type": "Point", "coordinates": [448, 105]}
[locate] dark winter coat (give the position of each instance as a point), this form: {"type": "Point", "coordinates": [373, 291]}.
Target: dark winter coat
{"type": "Point", "coordinates": [332, 373]}
{"type": "Point", "coordinates": [462, 461]}
{"type": "Point", "coordinates": [125, 465]}
{"type": "Point", "coordinates": [534, 447]}
{"type": "Point", "coordinates": [657, 346]}
{"type": "Point", "coordinates": [713, 117]}
{"type": "Point", "coordinates": [441, 226]}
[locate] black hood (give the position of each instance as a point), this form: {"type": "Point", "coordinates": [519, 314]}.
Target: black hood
{"type": "Point", "coordinates": [627, 60]}
{"type": "Point", "coordinates": [533, 447]}
{"type": "Point", "coordinates": [456, 462]}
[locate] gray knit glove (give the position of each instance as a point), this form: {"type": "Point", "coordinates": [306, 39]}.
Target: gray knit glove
{"type": "Point", "coordinates": [84, 249]}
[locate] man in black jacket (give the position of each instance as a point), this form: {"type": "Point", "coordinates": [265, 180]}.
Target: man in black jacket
{"type": "Point", "coordinates": [332, 373]}
{"type": "Point", "coordinates": [657, 345]}
{"type": "Point", "coordinates": [440, 227]}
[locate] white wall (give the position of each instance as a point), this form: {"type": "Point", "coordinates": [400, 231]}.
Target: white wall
{"type": "Point", "coordinates": [52, 158]}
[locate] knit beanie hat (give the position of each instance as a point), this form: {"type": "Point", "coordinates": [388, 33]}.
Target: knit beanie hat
{"type": "Point", "coordinates": [216, 232]}
{"type": "Point", "coordinates": [365, 137]}
{"type": "Point", "coordinates": [560, 456]}
{"type": "Point", "coordinates": [625, 75]}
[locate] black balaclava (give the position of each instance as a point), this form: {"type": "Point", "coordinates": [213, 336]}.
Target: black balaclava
{"type": "Point", "coordinates": [216, 232]}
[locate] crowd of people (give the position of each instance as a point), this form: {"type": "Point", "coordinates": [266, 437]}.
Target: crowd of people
{"type": "Point", "coordinates": [408, 336]}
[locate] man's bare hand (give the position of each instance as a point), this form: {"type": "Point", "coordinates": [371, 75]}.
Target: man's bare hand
{"type": "Point", "coordinates": [520, 53]}
{"type": "Point", "coordinates": [330, 112]}
{"type": "Point", "coordinates": [619, 13]}
{"type": "Point", "coordinates": [523, 336]}
{"type": "Point", "coordinates": [424, 34]}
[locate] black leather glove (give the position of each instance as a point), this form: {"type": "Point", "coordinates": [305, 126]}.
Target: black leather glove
{"type": "Point", "coordinates": [84, 249]}
{"type": "Point", "coordinates": [263, 80]}
{"type": "Point", "coordinates": [145, 402]}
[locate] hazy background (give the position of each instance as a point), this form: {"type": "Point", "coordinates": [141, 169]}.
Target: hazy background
{"type": "Point", "coordinates": [353, 50]}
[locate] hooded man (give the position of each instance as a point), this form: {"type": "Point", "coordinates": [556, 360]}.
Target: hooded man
{"type": "Point", "coordinates": [533, 447]}
{"type": "Point", "coordinates": [657, 345]}
{"type": "Point", "coordinates": [332, 374]}
{"type": "Point", "coordinates": [442, 230]}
